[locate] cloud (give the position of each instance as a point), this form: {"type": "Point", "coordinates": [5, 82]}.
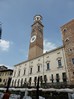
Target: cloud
{"type": "Point", "coordinates": [48, 45]}
{"type": "Point", "coordinates": [4, 45]}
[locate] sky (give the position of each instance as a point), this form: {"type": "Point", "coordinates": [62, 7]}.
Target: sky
{"type": "Point", "coordinates": [16, 17]}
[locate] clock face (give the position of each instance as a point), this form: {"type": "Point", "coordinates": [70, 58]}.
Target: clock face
{"type": "Point", "coordinates": [33, 38]}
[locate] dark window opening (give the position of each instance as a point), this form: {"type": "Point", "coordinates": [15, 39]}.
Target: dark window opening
{"type": "Point", "coordinates": [0, 79]}
{"type": "Point", "coordinates": [45, 78]}
{"type": "Point", "coordinates": [67, 40]}
{"type": "Point", "coordinates": [30, 79]}
{"type": "Point", "coordinates": [52, 79]}
{"type": "Point", "coordinates": [64, 30]}
{"type": "Point", "coordinates": [30, 70]}
{"type": "Point", "coordinates": [24, 71]}
{"type": "Point", "coordinates": [21, 82]}
{"type": "Point", "coordinates": [15, 83]}
{"type": "Point", "coordinates": [35, 80]}
{"type": "Point", "coordinates": [25, 81]}
{"type": "Point", "coordinates": [40, 79]}
{"type": "Point", "coordinates": [4, 80]}
{"type": "Point", "coordinates": [64, 77]}
{"type": "Point", "coordinates": [73, 60]}
{"type": "Point", "coordinates": [57, 78]}
{"type": "Point", "coordinates": [38, 68]}
{"type": "Point", "coordinates": [48, 66]}
{"type": "Point", "coordinates": [18, 82]}
{"type": "Point", "coordinates": [59, 63]}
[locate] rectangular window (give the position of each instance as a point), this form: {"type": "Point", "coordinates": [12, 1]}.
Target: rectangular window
{"type": "Point", "coordinates": [25, 80]}
{"type": "Point", "coordinates": [48, 66]}
{"type": "Point", "coordinates": [35, 79]}
{"type": "Point", "coordinates": [57, 77]}
{"type": "Point", "coordinates": [38, 68]}
{"type": "Point", "coordinates": [19, 73]}
{"type": "Point", "coordinates": [45, 78]}
{"type": "Point", "coordinates": [30, 70]}
{"type": "Point", "coordinates": [73, 60]}
{"type": "Point", "coordinates": [64, 77]}
{"type": "Point", "coordinates": [59, 63]}
{"type": "Point", "coordinates": [41, 78]}
{"type": "Point", "coordinates": [52, 79]}
{"type": "Point", "coordinates": [30, 79]}
{"type": "Point", "coordinates": [51, 76]}
{"type": "Point", "coordinates": [24, 71]}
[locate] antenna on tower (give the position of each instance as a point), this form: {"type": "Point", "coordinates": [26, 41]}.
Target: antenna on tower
{"type": "Point", "coordinates": [0, 30]}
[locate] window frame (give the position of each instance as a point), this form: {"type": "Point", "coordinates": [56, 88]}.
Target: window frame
{"type": "Point", "coordinates": [73, 61]}
{"type": "Point", "coordinates": [48, 66]}
{"type": "Point", "coordinates": [31, 70]}
{"type": "Point", "coordinates": [59, 59]}
{"type": "Point", "coordinates": [38, 68]}
{"type": "Point", "coordinates": [57, 78]}
{"type": "Point", "coordinates": [24, 71]}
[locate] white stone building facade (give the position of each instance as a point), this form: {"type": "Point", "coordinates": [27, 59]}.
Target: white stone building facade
{"type": "Point", "coordinates": [50, 63]}
{"type": "Point", "coordinates": [52, 67]}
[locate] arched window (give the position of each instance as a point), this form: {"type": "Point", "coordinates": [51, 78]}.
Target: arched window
{"type": "Point", "coordinates": [21, 81]}
{"type": "Point", "coordinates": [64, 30]}
{"type": "Point", "coordinates": [18, 82]}
{"type": "Point", "coordinates": [41, 80]}
{"type": "Point", "coordinates": [52, 78]}
{"type": "Point", "coordinates": [25, 83]}
{"type": "Point", "coordinates": [35, 80]}
{"type": "Point", "coordinates": [12, 83]}
{"type": "Point", "coordinates": [59, 61]}
{"type": "Point", "coordinates": [15, 83]}
{"type": "Point", "coordinates": [30, 79]}
{"type": "Point", "coordinates": [45, 79]}
{"type": "Point", "coordinates": [57, 78]}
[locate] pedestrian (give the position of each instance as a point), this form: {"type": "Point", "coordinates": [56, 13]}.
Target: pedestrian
{"type": "Point", "coordinates": [6, 95]}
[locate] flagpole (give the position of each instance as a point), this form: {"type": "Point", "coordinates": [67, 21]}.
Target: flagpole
{"type": "Point", "coordinates": [37, 91]}
{"type": "Point", "coordinates": [0, 30]}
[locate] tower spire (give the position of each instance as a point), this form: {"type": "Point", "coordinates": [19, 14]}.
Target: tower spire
{"type": "Point", "coordinates": [0, 30]}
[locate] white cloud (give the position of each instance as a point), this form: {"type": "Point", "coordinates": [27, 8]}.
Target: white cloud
{"type": "Point", "coordinates": [4, 45]}
{"type": "Point", "coordinates": [48, 45]}
{"type": "Point", "coordinates": [10, 67]}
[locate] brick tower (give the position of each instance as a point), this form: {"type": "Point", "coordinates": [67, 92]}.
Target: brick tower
{"type": "Point", "coordinates": [36, 41]}
{"type": "Point", "coordinates": [68, 42]}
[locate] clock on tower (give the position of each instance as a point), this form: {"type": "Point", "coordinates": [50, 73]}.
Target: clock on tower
{"type": "Point", "coordinates": [36, 40]}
